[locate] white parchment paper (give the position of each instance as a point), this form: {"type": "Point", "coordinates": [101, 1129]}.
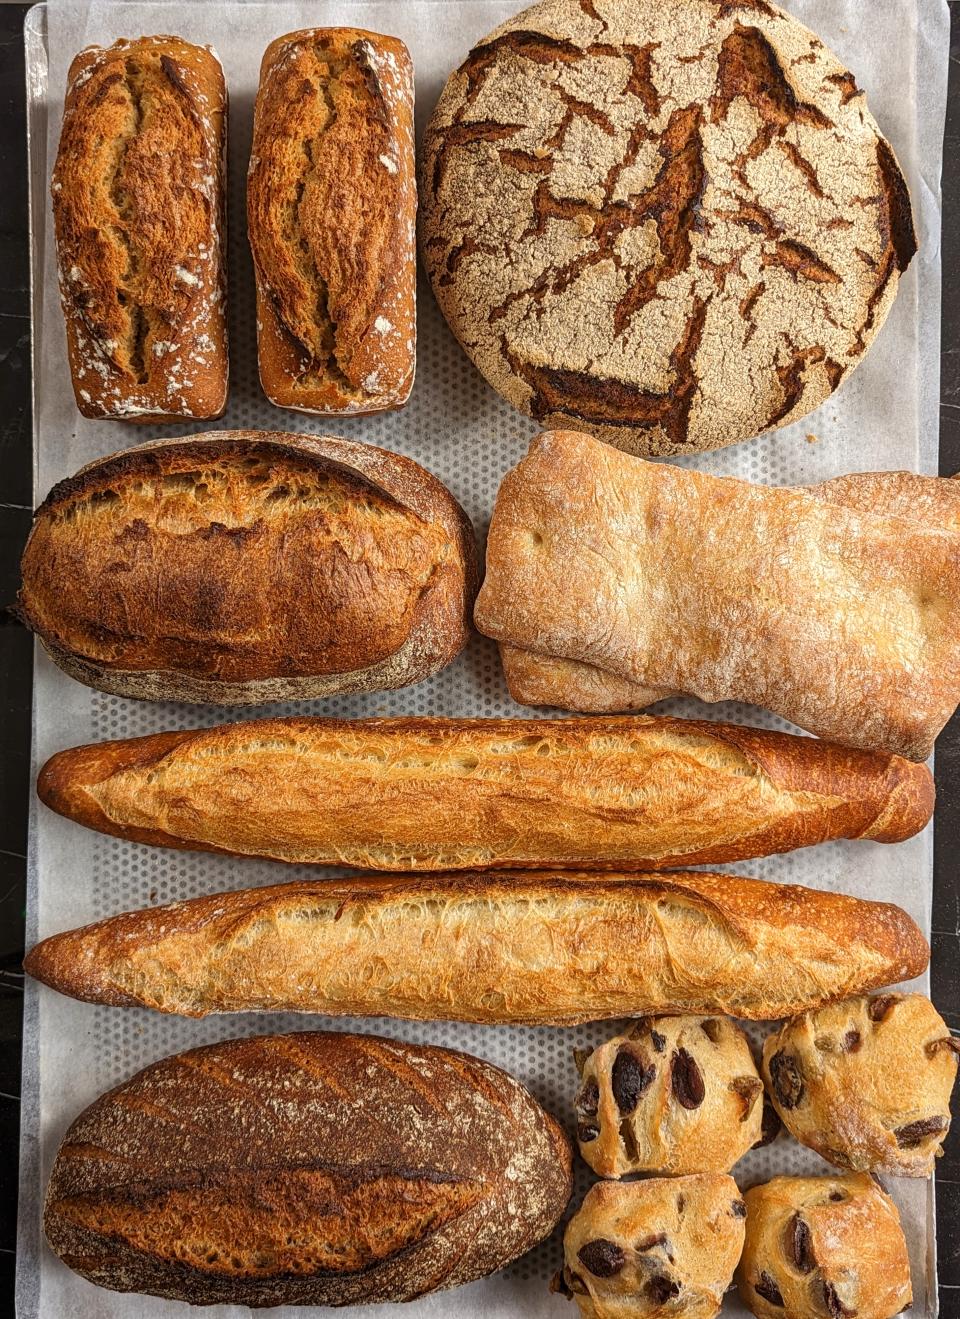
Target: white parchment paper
{"type": "Point", "coordinates": [885, 416]}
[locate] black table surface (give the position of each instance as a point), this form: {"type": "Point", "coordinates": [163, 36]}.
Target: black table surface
{"type": "Point", "coordinates": [16, 647]}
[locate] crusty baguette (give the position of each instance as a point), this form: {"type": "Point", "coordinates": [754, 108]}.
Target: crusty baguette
{"type": "Point", "coordinates": [246, 566]}
{"type": "Point", "coordinates": [845, 622]}
{"type": "Point", "coordinates": [138, 207]}
{"type": "Point", "coordinates": [331, 215]}
{"type": "Point", "coordinates": [529, 948]}
{"type": "Point", "coordinates": [462, 794]}
{"type": "Point", "coordinates": [307, 1169]}
{"type": "Point", "coordinates": [566, 684]}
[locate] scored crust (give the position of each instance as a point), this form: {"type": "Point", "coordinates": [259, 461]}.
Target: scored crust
{"type": "Point", "coordinates": [671, 222]}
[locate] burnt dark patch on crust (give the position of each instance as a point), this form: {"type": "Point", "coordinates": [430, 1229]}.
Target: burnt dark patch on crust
{"type": "Point", "coordinates": [750, 67]}
{"type": "Point", "coordinates": [903, 234]}
{"type": "Point", "coordinates": [913, 1135]}
{"type": "Point", "coordinates": [847, 84]}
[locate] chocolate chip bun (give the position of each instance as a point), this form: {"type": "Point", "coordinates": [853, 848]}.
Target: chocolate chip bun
{"type": "Point", "coordinates": [673, 223]}
{"type": "Point", "coordinates": [866, 1082]}
{"type": "Point", "coordinates": [823, 1246]}
{"type": "Point", "coordinates": [674, 1095]}
{"type": "Point", "coordinates": [663, 1246]}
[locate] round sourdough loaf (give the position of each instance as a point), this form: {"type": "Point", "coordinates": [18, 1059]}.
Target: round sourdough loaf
{"type": "Point", "coordinates": [673, 223]}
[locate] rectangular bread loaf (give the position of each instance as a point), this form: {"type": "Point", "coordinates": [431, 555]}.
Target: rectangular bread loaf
{"type": "Point", "coordinates": [843, 621]}
{"type": "Point", "coordinates": [462, 794]}
{"type": "Point", "coordinates": [331, 216]}
{"type": "Point", "coordinates": [534, 949]}
{"type": "Point", "coordinates": [138, 208]}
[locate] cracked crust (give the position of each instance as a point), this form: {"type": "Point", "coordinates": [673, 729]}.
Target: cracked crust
{"type": "Point", "coordinates": [306, 1169]}
{"type": "Point", "coordinates": [672, 223]}
{"type": "Point", "coordinates": [331, 205]}
{"type": "Point", "coordinates": [138, 206]}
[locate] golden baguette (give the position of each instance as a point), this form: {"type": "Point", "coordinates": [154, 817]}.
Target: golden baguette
{"type": "Point", "coordinates": [466, 794]}
{"type": "Point", "coordinates": [536, 948]}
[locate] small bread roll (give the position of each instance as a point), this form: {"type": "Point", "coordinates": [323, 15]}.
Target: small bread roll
{"type": "Point", "coordinates": [866, 1082]}
{"type": "Point", "coordinates": [674, 1095]}
{"type": "Point", "coordinates": [642, 1248]}
{"type": "Point", "coordinates": [823, 1246]}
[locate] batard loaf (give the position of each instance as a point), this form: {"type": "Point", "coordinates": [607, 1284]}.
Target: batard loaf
{"type": "Point", "coordinates": [528, 948]}
{"type": "Point", "coordinates": [309, 1169]}
{"type": "Point", "coordinates": [564, 684]}
{"type": "Point", "coordinates": [246, 566]}
{"type": "Point", "coordinates": [138, 209]}
{"type": "Point", "coordinates": [455, 794]}
{"type": "Point", "coordinates": [843, 621]}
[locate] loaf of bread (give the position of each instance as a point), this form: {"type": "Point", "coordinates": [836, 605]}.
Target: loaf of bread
{"type": "Point", "coordinates": [138, 208]}
{"type": "Point", "coordinates": [528, 948]}
{"type": "Point", "coordinates": [564, 684]}
{"type": "Point", "coordinates": [844, 621]}
{"type": "Point", "coordinates": [247, 566]}
{"type": "Point", "coordinates": [462, 794]}
{"type": "Point", "coordinates": [331, 215]}
{"type": "Point", "coordinates": [310, 1169]}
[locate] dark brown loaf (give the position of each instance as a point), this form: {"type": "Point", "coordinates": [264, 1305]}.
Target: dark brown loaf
{"type": "Point", "coordinates": [311, 1169]}
{"type": "Point", "coordinates": [331, 211]}
{"type": "Point", "coordinates": [245, 566]}
{"type": "Point", "coordinates": [532, 948]}
{"type": "Point", "coordinates": [138, 206]}
{"type": "Point", "coordinates": [462, 794]}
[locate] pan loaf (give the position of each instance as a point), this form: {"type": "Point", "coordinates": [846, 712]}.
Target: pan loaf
{"type": "Point", "coordinates": [535, 949]}
{"type": "Point", "coordinates": [455, 794]}
{"type": "Point", "coordinates": [138, 208]}
{"type": "Point", "coordinates": [246, 566]}
{"type": "Point", "coordinates": [308, 1169]}
{"type": "Point", "coordinates": [843, 621]}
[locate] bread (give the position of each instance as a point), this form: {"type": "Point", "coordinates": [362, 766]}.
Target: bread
{"type": "Point", "coordinates": [671, 1095]}
{"type": "Point", "coordinates": [544, 680]}
{"type": "Point", "coordinates": [866, 1082]}
{"type": "Point", "coordinates": [138, 209]}
{"type": "Point", "coordinates": [823, 1246]}
{"type": "Point", "coordinates": [247, 566]}
{"type": "Point", "coordinates": [675, 225]}
{"type": "Point", "coordinates": [842, 621]}
{"type": "Point", "coordinates": [651, 1248]}
{"type": "Point", "coordinates": [535, 949]}
{"type": "Point", "coordinates": [461, 794]}
{"type": "Point", "coordinates": [312, 1169]}
{"type": "Point", "coordinates": [331, 216]}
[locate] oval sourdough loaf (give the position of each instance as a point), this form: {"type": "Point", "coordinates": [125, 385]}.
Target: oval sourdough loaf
{"type": "Point", "coordinates": [671, 222]}
{"type": "Point", "coordinates": [310, 1169]}
{"type": "Point", "coordinates": [247, 566]}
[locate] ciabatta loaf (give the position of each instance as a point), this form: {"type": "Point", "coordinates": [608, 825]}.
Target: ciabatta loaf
{"type": "Point", "coordinates": [309, 1169]}
{"type": "Point", "coordinates": [458, 794]}
{"type": "Point", "coordinates": [529, 948]}
{"type": "Point", "coordinates": [843, 621]}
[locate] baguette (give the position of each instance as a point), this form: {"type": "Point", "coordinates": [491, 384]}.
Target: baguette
{"type": "Point", "coordinates": [534, 949]}
{"type": "Point", "coordinates": [464, 794]}
{"type": "Point", "coordinates": [138, 209]}
{"type": "Point", "coordinates": [309, 1169]}
{"type": "Point", "coordinates": [331, 215]}
{"type": "Point", "coordinates": [843, 621]}
{"type": "Point", "coordinates": [247, 566]}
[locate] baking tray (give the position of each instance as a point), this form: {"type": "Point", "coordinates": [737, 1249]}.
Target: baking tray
{"type": "Point", "coordinates": [462, 432]}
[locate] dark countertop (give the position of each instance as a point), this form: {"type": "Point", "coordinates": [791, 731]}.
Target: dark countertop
{"type": "Point", "coordinates": [16, 648]}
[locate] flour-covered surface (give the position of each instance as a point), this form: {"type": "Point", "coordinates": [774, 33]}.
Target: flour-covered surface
{"type": "Point", "coordinates": [884, 416]}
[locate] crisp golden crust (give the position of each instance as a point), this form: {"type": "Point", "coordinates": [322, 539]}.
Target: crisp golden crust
{"type": "Point", "coordinates": [437, 794]}
{"type": "Point", "coordinates": [306, 1169]}
{"type": "Point", "coordinates": [866, 1082]}
{"type": "Point", "coordinates": [243, 566]}
{"type": "Point", "coordinates": [673, 223]}
{"type": "Point", "coordinates": [138, 206]}
{"type": "Point", "coordinates": [820, 1246]}
{"type": "Point", "coordinates": [649, 1248]}
{"type": "Point", "coordinates": [843, 621]}
{"type": "Point", "coordinates": [534, 949]}
{"type": "Point", "coordinates": [331, 208]}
